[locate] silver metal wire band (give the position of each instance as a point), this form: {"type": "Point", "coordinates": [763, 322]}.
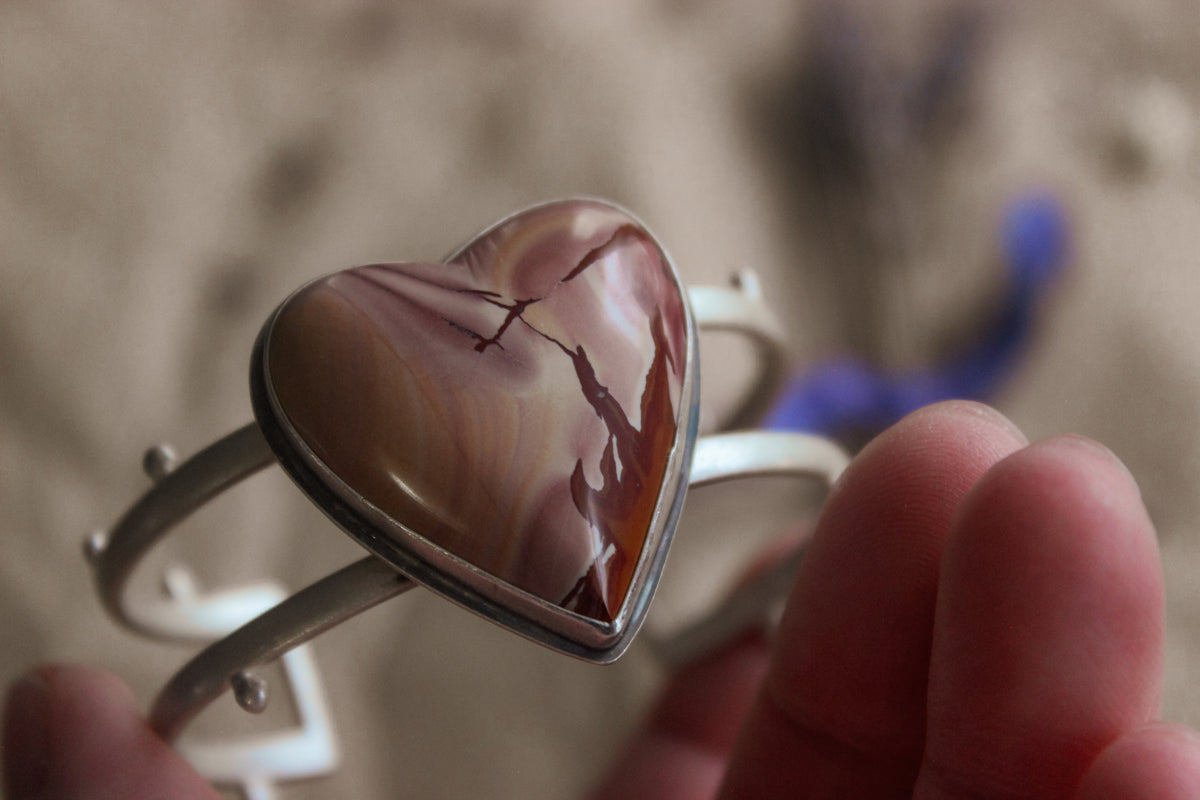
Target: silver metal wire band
{"type": "Point", "coordinates": [368, 582]}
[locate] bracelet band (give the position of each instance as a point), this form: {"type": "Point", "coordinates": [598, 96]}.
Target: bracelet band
{"type": "Point", "coordinates": [370, 581]}
{"type": "Point", "coordinates": [636, 365]}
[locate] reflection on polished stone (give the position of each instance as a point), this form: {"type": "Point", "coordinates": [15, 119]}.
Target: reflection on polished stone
{"type": "Point", "coordinates": [516, 406]}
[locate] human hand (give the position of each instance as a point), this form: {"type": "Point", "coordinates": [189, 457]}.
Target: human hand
{"type": "Point", "coordinates": [975, 618]}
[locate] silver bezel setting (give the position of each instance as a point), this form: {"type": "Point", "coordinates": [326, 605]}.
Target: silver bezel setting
{"type": "Point", "coordinates": [410, 553]}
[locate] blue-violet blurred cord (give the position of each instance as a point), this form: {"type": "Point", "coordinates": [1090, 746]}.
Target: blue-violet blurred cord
{"type": "Point", "coordinates": [848, 399]}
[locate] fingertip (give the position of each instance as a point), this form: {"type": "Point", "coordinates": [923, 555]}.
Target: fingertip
{"type": "Point", "coordinates": [903, 490]}
{"type": "Point", "coordinates": [1087, 448]}
{"type": "Point", "coordinates": [78, 693]}
{"type": "Point", "coordinates": [47, 714]}
{"type": "Point", "coordinates": [1076, 491]}
{"type": "Point", "coordinates": [973, 412]}
{"type": "Point", "coordinates": [1048, 643]}
{"type": "Point", "coordinates": [83, 737]}
{"type": "Point", "coordinates": [948, 436]}
{"type": "Point", "coordinates": [1160, 761]}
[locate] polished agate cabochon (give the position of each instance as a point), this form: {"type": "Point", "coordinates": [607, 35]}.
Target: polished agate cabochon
{"type": "Point", "coordinates": [516, 406]}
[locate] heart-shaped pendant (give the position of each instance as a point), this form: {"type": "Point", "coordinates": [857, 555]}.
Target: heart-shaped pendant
{"type": "Point", "coordinates": [511, 427]}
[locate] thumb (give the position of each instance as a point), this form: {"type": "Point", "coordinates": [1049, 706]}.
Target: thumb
{"type": "Point", "coordinates": [74, 732]}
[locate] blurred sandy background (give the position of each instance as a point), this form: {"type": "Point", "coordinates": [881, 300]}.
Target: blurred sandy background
{"type": "Point", "coordinates": [169, 172]}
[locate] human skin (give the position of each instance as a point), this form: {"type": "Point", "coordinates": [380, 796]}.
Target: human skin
{"type": "Point", "coordinates": [976, 618]}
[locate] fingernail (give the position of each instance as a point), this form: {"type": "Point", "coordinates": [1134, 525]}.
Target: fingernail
{"type": "Point", "coordinates": [26, 739]}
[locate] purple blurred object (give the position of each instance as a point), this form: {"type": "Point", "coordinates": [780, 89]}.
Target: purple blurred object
{"type": "Point", "coordinates": [850, 400]}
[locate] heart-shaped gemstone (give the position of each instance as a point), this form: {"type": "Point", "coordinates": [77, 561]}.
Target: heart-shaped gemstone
{"type": "Point", "coordinates": [516, 406]}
